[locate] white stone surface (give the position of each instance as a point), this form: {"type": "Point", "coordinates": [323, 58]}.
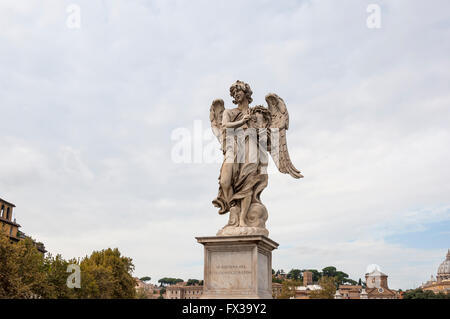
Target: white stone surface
{"type": "Point", "coordinates": [237, 267]}
{"type": "Point", "coordinates": [238, 231]}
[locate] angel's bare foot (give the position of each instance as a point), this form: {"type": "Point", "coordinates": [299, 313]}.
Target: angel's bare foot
{"type": "Point", "coordinates": [242, 223]}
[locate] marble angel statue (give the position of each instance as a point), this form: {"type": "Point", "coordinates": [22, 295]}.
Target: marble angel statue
{"type": "Point", "coordinates": [247, 134]}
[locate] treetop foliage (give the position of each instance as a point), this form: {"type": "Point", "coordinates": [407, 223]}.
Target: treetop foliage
{"type": "Point", "coordinates": [169, 281]}
{"type": "Point", "coordinates": [424, 294]}
{"type": "Point", "coordinates": [27, 273]}
{"type": "Point", "coordinates": [330, 271]}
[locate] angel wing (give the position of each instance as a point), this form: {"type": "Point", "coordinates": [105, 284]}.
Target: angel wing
{"type": "Point", "coordinates": [277, 139]}
{"type": "Point", "coordinates": [215, 116]}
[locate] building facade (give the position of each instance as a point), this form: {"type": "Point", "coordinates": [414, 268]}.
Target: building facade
{"type": "Point", "coordinates": [377, 286]}
{"type": "Point", "coordinates": [307, 278]}
{"type": "Point", "coordinates": [349, 292]}
{"type": "Point", "coordinates": [8, 225]}
{"type": "Point", "coordinates": [182, 291]}
{"type": "Point", "coordinates": [442, 281]}
{"type": "Point", "coordinates": [148, 290]}
{"type": "Point", "coordinates": [303, 292]}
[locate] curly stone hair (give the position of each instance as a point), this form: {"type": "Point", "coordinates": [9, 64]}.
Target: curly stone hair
{"type": "Point", "coordinates": [265, 114]}
{"type": "Point", "coordinates": [240, 85]}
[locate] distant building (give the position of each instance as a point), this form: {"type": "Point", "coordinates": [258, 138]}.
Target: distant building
{"type": "Point", "coordinates": [182, 291]}
{"type": "Point", "coordinates": [9, 226]}
{"type": "Point", "coordinates": [280, 275]}
{"type": "Point", "coordinates": [307, 278]}
{"type": "Point", "coordinates": [377, 286]}
{"type": "Point", "coordinates": [149, 290]}
{"type": "Point", "coordinates": [363, 294]}
{"type": "Point", "coordinates": [349, 292]}
{"type": "Point", "coordinates": [303, 292]}
{"type": "Point", "coordinates": [276, 289]}
{"type": "Point", "coordinates": [442, 281]}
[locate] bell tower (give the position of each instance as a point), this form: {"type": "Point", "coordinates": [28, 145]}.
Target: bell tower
{"type": "Point", "coordinates": [376, 279]}
{"type": "Point", "coordinates": [7, 225]}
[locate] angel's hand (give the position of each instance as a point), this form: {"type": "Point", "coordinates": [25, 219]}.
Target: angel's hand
{"type": "Point", "coordinates": [246, 117]}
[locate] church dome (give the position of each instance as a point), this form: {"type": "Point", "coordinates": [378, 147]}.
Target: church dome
{"type": "Point", "coordinates": [444, 268]}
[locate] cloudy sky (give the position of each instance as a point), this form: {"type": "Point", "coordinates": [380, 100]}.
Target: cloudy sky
{"type": "Point", "coordinates": [88, 117]}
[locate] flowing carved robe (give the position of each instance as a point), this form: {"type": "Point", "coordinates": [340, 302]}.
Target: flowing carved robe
{"type": "Point", "coordinates": [247, 178]}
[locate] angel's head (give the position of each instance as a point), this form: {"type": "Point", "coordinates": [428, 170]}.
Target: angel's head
{"type": "Point", "coordinates": [260, 117]}
{"type": "Point", "coordinates": [240, 90]}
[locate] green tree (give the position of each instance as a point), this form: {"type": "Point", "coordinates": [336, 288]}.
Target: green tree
{"type": "Point", "coordinates": [294, 274]}
{"type": "Point", "coordinates": [350, 281]}
{"type": "Point", "coordinates": [169, 281]}
{"type": "Point", "coordinates": [192, 282]}
{"type": "Point", "coordinates": [421, 294]}
{"type": "Point", "coordinates": [22, 271]}
{"type": "Point", "coordinates": [288, 289]}
{"type": "Point", "coordinates": [145, 279]}
{"type": "Point", "coordinates": [56, 270]}
{"type": "Point", "coordinates": [329, 271]}
{"type": "Point", "coordinates": [340, 276]}
{"type": "Point", "coordinates": [161, 293]}
{"type": "Point", "coordinates": [275, 279]}
{"type": "Point", "coordinates": [107, 274]}
{"type": "Point", "coordinates": [280, 272]}
{"type": "Point", "coordinates": [27, 273]}
{"type": "Point", "coordinates": [328, 285]}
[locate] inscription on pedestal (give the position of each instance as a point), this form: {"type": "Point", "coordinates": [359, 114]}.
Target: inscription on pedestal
{"type": "Point", "coordinates": [230, 270]}
{"type": "Point", "coordinates": [237, 267]}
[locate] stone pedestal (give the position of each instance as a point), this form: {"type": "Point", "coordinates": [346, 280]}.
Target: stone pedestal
{"type": "Point", "coordinates": [237, 267]}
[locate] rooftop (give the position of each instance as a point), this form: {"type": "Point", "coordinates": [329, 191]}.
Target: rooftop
{"type": "Point", "coordinates": [7, 203]}
{"type": "Point", "coordinates": [376, 272]}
